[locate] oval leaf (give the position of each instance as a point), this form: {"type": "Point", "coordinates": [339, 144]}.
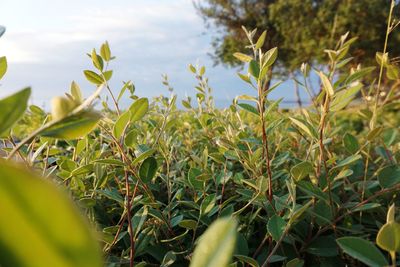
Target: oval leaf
{"type": "Point", "coordinates": [216, 245]}
{"type": "Point", "coordinates": [362, 250]}
{"type": "Point", "coordinates": [53, 231]}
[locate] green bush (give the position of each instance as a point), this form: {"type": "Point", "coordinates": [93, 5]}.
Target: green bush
{"type": "Point", "coordinates": [250, 185]}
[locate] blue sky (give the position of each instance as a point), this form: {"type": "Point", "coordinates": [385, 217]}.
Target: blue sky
{"type": "Point", "coordinates": [46, 42]}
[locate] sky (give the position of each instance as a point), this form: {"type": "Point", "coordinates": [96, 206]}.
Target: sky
{"type": "Point", "coordinates": [47, 40]}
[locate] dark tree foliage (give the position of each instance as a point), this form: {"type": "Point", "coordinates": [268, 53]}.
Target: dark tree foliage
{"type": "Point", "coordinates": [302, 29]}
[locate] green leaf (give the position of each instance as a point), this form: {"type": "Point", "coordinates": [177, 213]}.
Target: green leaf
{"type": "Point", "coordinates": [391, 213]}
{"type": "Point", "coordinates": [114, 162]}
{"type": "Point", "coordinates": [312, 190]}
{"type": "Point", "coordinates": [144, 155]}
{"type": "Point", "coordinates": [243, 57]}
{"type": "Point", "coordinates": [82, 170]}
{"type": "Point", "coordinates": [296, 262]}
{"type": "Point", "coordinates": [216, 245]}
{"type": "Point", "coordinates": [76, 92]}
{"type": "Point", "coordinates": [73, 126]}
{"type": "Point", "coordinates": [358, 74]}
{"type": "Point", "coordinates": [121, 124]}
{"type": "Point", "coordinates": [188, 224]}
{"type": "Point", "coordinates": [131, 138]}
{"type": "Point", "coordinates": [244, 259]}
{"type": "Point", "coordinates": [350, 143]}
{"type": "Point", "coordinates": [323, 246]}
{"type": "Point", "coordinates": [148, 169]}
{"type": "Point", "coordinates": [362, 250]}
{"type": "Point", "coordinates": [261, 40]}
{"type": "Point", "coordinates": [276, 227]}
{"type": "Point", "coordinates": [344, 97]}
{"type": "Point", "coordinates": [254, 69]}
{"type": "Point", "coordinates": [269, 57]}
{"type": "Point", "coordinates": [326, 83]}
{"type": "Point", "coordinates": [12, 108]}
{"type": "Point", "coordinates": [108, 74]}
{"type": "Point", "coordinates": [192, 69]}
{"type": "Point", "coordinates": [249, 108]}
{"type": "Point", "coordinates": [305, 126]}
{"type": "Point", "coordinates": [97, 60]}
{"type": "Point", "coordinates": [389, 176]}
{"type": "Point", "coordinates": [367, 206]}
{"type": "Point", "coordinates": [245, 78]}
{"type": "Point", "coordinates": [105, 51]}
{"type": "Point", "coordinates": [388, 237]}
{"type": "Point", "coordinates": [207, 204]}
{"type": "Point", "coordinates": [139, 219]}
{"type": "Point", "coordinates": [392, 72]}
{"type": "Point", "coordinates": [347, 161]}
{"type": "Point", "coordinates": [93, 77]}
{"type": "Point", "coordinates": [168, 259]}
{"type": "Point", "coordinates": [37, 212]}
{"type": "Point", "coordinates": [3, 66]}
{"type": "Point", "coordinates": [139, 109]}
{"type": "Point", "coordinates": [301, 170]}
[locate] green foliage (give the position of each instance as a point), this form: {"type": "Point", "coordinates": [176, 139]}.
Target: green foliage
{"type": "Point", "coordinates": [252, 184]}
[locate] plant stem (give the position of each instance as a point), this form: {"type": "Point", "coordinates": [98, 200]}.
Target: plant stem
{"type": "Point", "coordinates": [128, 211]}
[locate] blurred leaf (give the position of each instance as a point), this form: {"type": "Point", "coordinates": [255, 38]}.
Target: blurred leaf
{"type": "Point", "coordinates": [12, 108]}
{"type": "Point", "coordinates": [2, 30]}
{"type": "Point", "coordinates": [52, 230]}
{"type": "Point", "coordinates": [73, 126]}
{"type": "Point", "coordinates": [216, 245]}
{"type": "Point", "coordinates": [3, 66]}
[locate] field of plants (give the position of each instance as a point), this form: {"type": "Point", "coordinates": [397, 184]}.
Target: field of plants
{"type": "Point", "coordinates": [94, 184]}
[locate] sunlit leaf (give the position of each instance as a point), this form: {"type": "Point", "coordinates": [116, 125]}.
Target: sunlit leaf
{"type": "Point", "coordinates": [216, 245]}
{"type": "Point", "coordinates": [53, 231]}
{"type": "Point", "coordinates": [73, 126]}
{"type": "Point", "coordinates": [12, 108]}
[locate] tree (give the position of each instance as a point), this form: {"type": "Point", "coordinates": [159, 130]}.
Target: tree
{"type": "Point", "coordinates": [302, 29]}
